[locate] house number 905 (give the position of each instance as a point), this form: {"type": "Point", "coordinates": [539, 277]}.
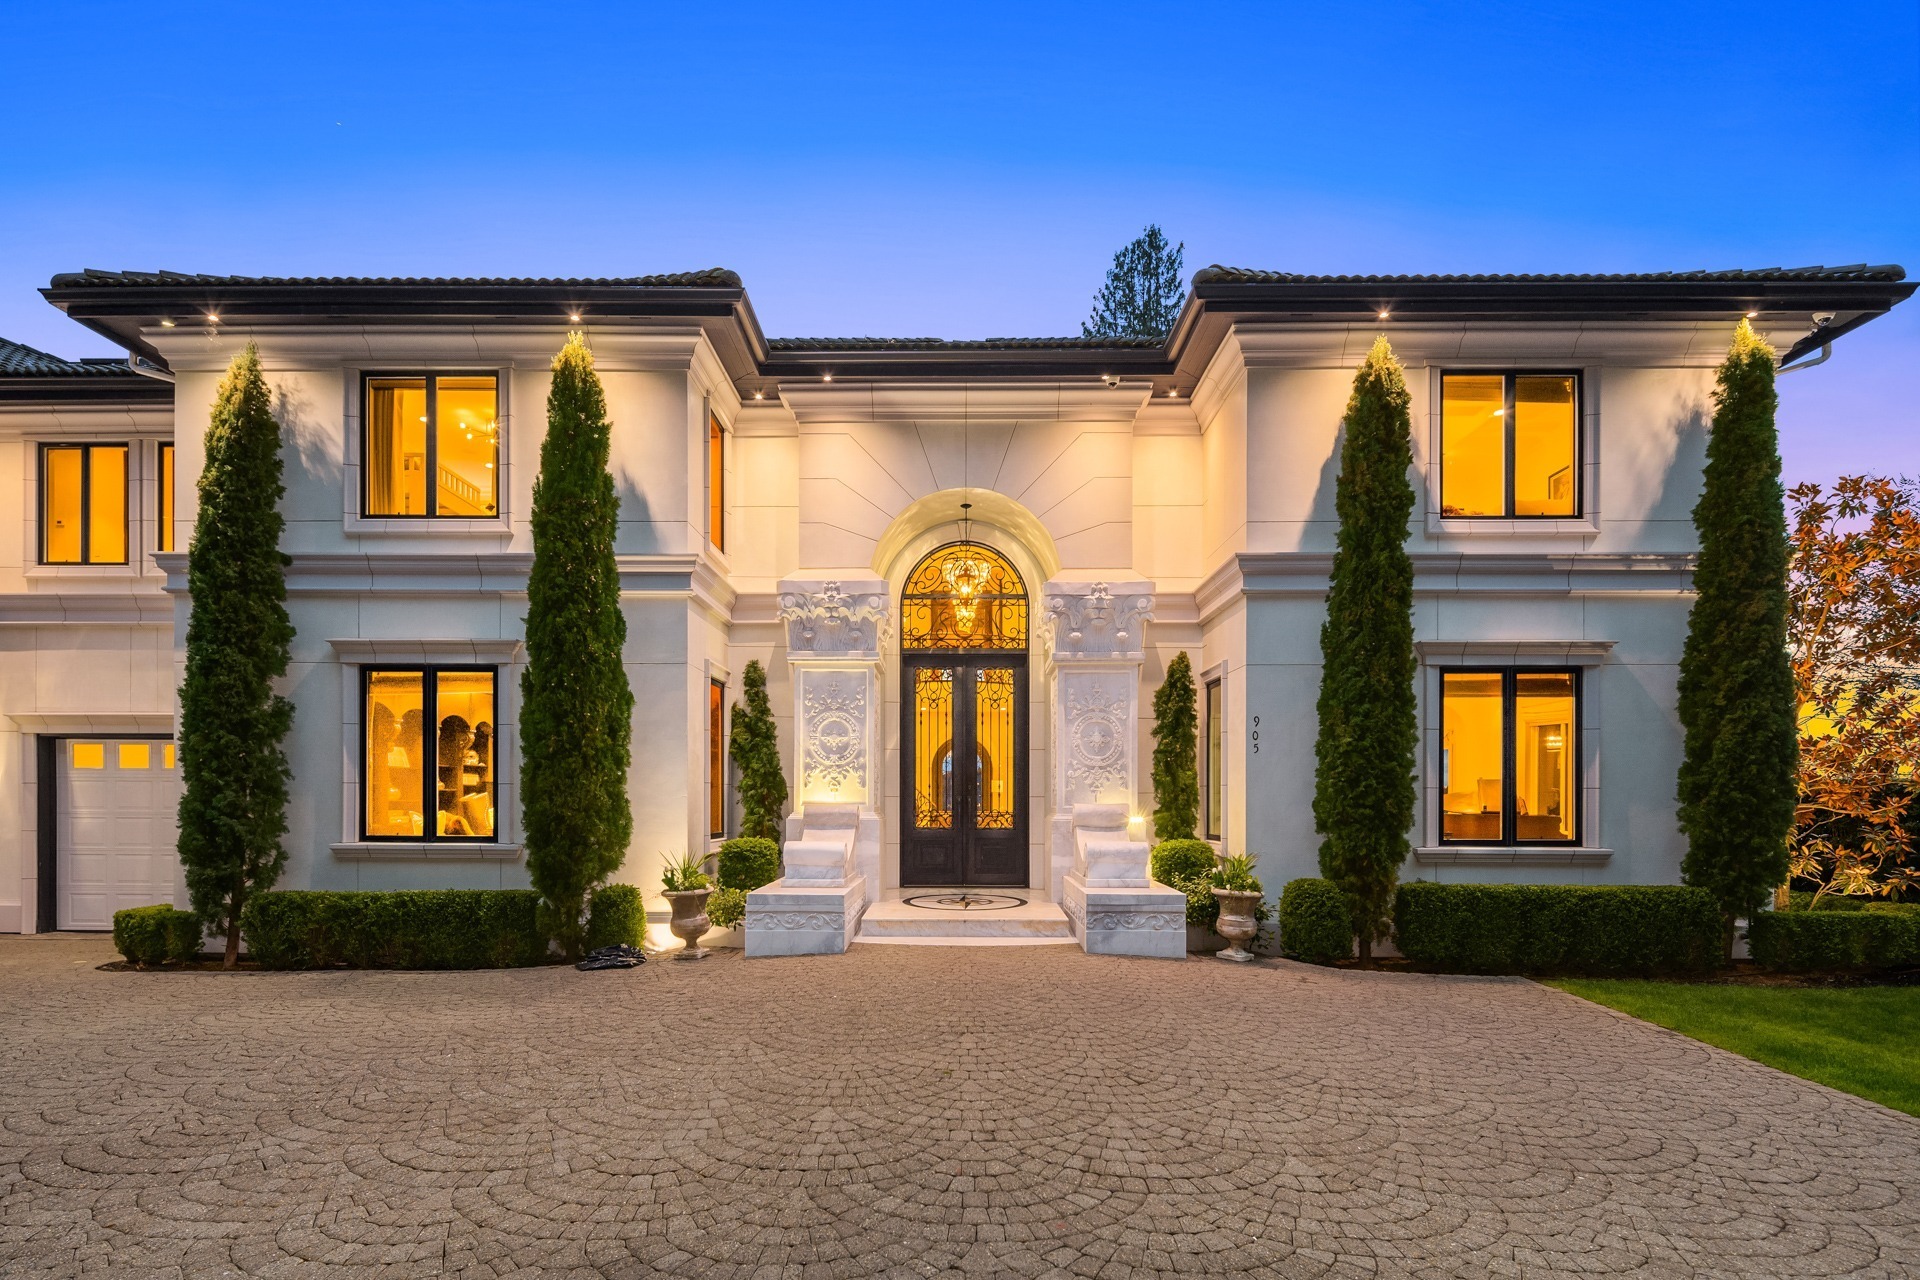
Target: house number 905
{"type": "Point", "coordinates": [1254, 735]}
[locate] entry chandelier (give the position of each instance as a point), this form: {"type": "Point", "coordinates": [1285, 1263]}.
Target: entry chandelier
{"type": "Point", "coordinates": [966, 573]}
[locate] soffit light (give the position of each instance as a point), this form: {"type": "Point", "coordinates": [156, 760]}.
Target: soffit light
{"type": "Point", "coordinates": [212, 318]}
{"type": "Point", "coordinates": [166, 324]}
{"type": "Point", "coordinates": [575, 317]}
{"type": "Point", "coordinates": [1385, 314]}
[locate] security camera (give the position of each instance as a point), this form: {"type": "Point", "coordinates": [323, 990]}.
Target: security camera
{"type": "Point", "coordinates": [1821, 319]}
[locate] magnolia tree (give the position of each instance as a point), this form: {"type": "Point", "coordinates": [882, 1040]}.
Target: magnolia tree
{"type": "Point", "coordinates": [1854, 637]}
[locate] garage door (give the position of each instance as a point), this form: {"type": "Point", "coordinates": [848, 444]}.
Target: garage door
{"type": "Point", "coordinates": [118, 799]}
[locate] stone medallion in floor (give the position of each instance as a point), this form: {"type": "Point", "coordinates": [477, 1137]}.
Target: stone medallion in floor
{"type": "Point", "coordinates": [909, 1111]}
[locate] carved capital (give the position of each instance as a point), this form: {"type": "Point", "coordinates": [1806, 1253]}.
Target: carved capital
{"type": "Point", "coordinates": [1098, 619]}
{"type": "Point", "coordinates": [835, 619]}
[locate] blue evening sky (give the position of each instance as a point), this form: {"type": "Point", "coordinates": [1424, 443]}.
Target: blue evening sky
{"type": "Point", "coordinates": [968, 170]}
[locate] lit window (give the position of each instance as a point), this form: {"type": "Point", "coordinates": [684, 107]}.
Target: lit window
{"type": "Point", "coordinates": [135, 755]}
{"type": "Point", "coordinates": [430, 753]}
{"type": "Point", "coordinates": [83, 504]}
{"type": "Point", "coordinates": [1508, 444]}
{"type": "Point", "coordinates": [164, 496]}
{"type": "Point", "coordinates": [441, 425]}
{"type": "Point", "coordinates": [716, 483]}
{"type": "Point", "coordinates": [716, 759]}
{"type": "Point", "coordinates": [1215, 760]}
{"type": "Point", "coordinates": [89, 755]}
{"type": "Point", "coordinates": [1509, 757]}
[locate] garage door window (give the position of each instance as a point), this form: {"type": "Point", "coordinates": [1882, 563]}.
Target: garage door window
{"type": "Point", "coordinates": [430, 753]}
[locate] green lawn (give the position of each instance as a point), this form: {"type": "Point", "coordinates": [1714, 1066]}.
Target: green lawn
{"type": "Point", "coordinates": [1865, 1040]}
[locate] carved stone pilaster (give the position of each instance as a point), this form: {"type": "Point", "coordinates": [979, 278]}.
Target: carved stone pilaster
{"type": "Point", "coordinates": [1097, 619]}
{"type": "Point", "coordinates": [848, 618]}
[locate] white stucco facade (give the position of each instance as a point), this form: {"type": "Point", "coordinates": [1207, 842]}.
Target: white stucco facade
{"type": "Point", "coordinates": [1198, 521]}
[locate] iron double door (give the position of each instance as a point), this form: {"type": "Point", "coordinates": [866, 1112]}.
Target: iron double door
{"type": "Point", "coordinates": [964, 825]}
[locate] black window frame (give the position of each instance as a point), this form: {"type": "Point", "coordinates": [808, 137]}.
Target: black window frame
{"type": "Point", "coordinates": [86, 448]}
{"type": "Point", "coordinates": [163, 495]}
{"type": "Point", "coordinates": [1509, 790]}
{"type": "Point", "coordinates": [429, 777]}
{"type": "Point", "coordinates": [1213, 823]}
{"type": "Point", "coordinates": [1579, 440]}
{"type": "Point", "coordinates": [431, 377]}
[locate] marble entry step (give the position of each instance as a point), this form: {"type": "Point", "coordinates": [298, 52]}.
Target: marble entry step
{"type": "Point", "coordinates": [911, 916]}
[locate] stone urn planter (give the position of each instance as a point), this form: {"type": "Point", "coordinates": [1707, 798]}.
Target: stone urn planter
{"type": "Point", "coordinates": [1237, 924]}
{"type": "Point", "coordinates": [690, 921]}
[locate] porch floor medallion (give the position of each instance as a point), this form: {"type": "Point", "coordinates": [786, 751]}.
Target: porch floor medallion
{"type": "Point", "coordinates": [909, 1111]}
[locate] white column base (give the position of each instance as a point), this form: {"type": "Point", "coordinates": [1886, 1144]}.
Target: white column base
{"type": "Point", "coordinates": [1127, 922]}
{"type": "Point", "coordinates": [788, 919]}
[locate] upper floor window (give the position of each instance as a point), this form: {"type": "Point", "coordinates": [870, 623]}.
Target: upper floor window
{"type": "Point", "coordinates": [83, 504]}
{"type": "Point", "coordinates": [439, 425]}
{"type": "Point", "coordinates": [1509, 444]}
{"type": "Point", "coordinates": [430, 753]}
{"type": "Point", "coordinates": [1509, 765]}
{"type": "Point", "coordinates": [716, 483]}
{"type": "Point", "coordinates": [163, 505]}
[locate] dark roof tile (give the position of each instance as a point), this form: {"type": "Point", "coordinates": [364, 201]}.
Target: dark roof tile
{"type": "Point", "coordinates": [1889, 274]}
{"type": "Point", "coordinates": [964, 344]}
{"type": "Point", "coordinates": [711, 278]}
{"type": "Point", "coordinates": [17, 360]}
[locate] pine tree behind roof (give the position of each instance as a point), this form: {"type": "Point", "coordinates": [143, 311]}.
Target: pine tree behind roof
{"type": "Point", "coordinates": [1142, 295]}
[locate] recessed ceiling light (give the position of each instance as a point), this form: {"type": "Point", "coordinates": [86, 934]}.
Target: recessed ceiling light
{"type": "Point", "coordinates": [575, 317]}
{"type": "Point", "coordinates": [826, 377]}
{"type": "Point", "coordinates": [1752, 314]}
{"type": "Point", "coordinates": [212, 318]}
{"type": "Point", "coordinates": [166, 324]}
{"type": "Point", "coordinates": [1385, 314]}
{"type": "Point", "coordinates": [759, 395]}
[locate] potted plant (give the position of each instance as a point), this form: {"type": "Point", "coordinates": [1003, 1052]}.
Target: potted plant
{"type": "Point", "coordinates": [687, 889]}
{"type": "Point", "coordinates": [1239, 893]}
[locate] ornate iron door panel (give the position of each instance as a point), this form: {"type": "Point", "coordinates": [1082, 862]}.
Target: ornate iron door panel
{"type": "Point", "coordinates": [964, 758]}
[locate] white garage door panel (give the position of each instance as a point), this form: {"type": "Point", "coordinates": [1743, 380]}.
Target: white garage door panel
{"type": "Point", "coordinates": [117, 828]}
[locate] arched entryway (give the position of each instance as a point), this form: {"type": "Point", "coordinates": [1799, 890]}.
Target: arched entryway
{"type": "Point", "coordinates": [964, 616]}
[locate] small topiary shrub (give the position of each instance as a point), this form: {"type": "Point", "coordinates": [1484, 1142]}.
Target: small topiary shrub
{"type": "Point", "coordinates": [156, 934]}
{"type": "Point", "coordinates": [1882, 935]}
{"type": "Point", "coordinates": [408, 929]}
{"type": "Point", "coordinates": [1559, 929]}
{"type": "Point", "coordinates": [616, 914]}
{"type": "Point", "coordinates": [1802, 900]}
{"type": "Point", "coordinates": [1187, 865]}
{"type": "Point", "coordinates": [727, 908]}
{"type": "Point", "coordinates": [1315, 924]}
{"type": "Point", "coordinates": [748, 862]}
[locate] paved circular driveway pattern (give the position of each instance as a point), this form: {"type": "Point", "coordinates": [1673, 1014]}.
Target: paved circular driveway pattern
{"type": "Point", "coordinates": [909, 1111]}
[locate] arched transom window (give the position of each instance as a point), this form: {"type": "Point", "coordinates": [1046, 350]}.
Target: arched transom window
{"type": "Point", "coordinates": [964, 596]}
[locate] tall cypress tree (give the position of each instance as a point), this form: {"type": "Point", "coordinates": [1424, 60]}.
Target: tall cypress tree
{"type": "Point", "coordinates": [754, 746]}
{"type": "Point", "coordinates": [233, 809]}
{"type": "Point", "coordinates": [1176, 754]}
{"type": "Point", "coordinates": [1363, 784]}
{"type": "Point", "coordinates": [1738, 778]}
{"type": "Point", "coordinates": [576, 713]}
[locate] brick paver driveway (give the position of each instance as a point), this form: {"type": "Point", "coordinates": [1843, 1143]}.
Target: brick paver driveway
{"type": "Point", "coordinates": [909, 1111]}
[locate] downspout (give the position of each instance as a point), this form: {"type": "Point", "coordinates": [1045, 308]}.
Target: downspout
{"type": "Point", "coordinates": [1820, 321]}
{"type": "Point", "coordinates": [147, 369]}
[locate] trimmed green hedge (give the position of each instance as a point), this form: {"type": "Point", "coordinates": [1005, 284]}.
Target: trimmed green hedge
{"type": "Point", "coordinates": [747, 862]}
{"type": "Point", "coordinates": [1561, 929]}
{"type": "Point", "coordinates": [727, 908]}
{"type": "Point", "coordinates": [407, 929]}
{"type": "Point", "coordinates": [1877, 935]}
{"type": "Point", "coordinates": [1188, 865]}
{"type": "Point", "coordinates": [615, 914]}
{"type": "Point", "coordinates": [1315, 924]}
{"type": "Point", "coordinates": [1802, 900]}
{"type": "Point", "coordinates": [156, 934]}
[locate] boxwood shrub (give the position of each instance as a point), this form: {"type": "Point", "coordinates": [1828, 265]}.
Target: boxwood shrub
{"type": "Point", "coordinates": [748, 862]}
{"type": "Point", "coordinates": [616, 913]}
{"type": "Point", "coordinates": [1187, 865]}
{"type": "Point", "coordinates": [1879, 935]}
{"type": "Point", "coordinates": [1562, 929]}
{"type": "Point", "coordinates": [156, 934]}
{"type": "Point", "coordinates": [406, 929]}
{"type": "Point", "coordinates": [727, 908]}
{"type": "Point", "coordinates": [1315, 924]}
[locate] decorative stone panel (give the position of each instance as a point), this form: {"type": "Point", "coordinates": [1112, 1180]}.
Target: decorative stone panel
{"type": "Point", "coordinates": [1098, 619]}
{"type": "Point", "coordinates": [835, 732]}
{"type": "Point", "coordinates": [849, 618]}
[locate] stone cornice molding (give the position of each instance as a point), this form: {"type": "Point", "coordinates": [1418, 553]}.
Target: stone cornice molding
{"type": "Point", "coordinates": [118, 608]}
{"type": "Point", "coordinates": [1305, 573]}
{"type": "Point", "coordinates": [965, 401]}
{"type": "Point", "coordinates": [491, 652]}
{"type": "Point", "coordinates": [846, 618]}
{"type": "Point", "coordinates": [286, 348]}
{"type": "Point", "coordinates": [1097, 620]}
{"type": "Point", "coordinates": [1226, 371]}
{"type": "Point", "coordinates": [93, 723]}
{"type": "Point", "coordinates": [463, 573]}
{"type": "Point", "coordinates": [1514, 653]}
{"type": "Point", "coordinates": [27, 419]}
{"type": "Point", "coordinates": [1642, 343]}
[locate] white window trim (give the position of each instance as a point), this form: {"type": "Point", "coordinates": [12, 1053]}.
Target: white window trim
{"type": "Point", "coordinates": [508, 658]}
{"type": "Point", "coordinates": [1437, 656]}
{"type": "Point", "coordinates": [1218, 671]}
{"type": "Point", "coordinates": [1585, 525]}
{"type": "Point", "coordinates": [357, 525]}
{"type": "Point", "coordinates": [143, 509]}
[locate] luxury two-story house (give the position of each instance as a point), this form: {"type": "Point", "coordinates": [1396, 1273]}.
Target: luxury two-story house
{"type": "Point", "coordinates": [964, 565]}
